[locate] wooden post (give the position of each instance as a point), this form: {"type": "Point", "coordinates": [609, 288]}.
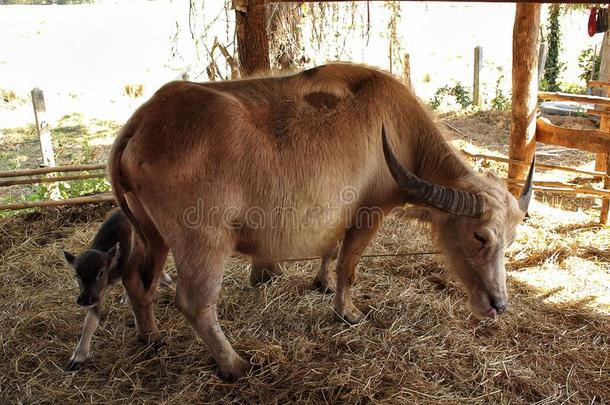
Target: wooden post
{"type": "Point", "coordinates": [544, 51]}
{"type": "Point", "coordinates": [525, 89]}
{"type": "Point", "coordinates": [476, 86]}
{"type": "Point", "coordinates": [252, 41]}
{"type": "Point", "coordinates": [42, 126]}
{"type": "Point", "coordinates": [44, 135]}
{"type": "Point", "coordinates": [406, 70]}
{"type": "Point", "coordinates": [604, 68]}
{"type": "Point", "coordinates": [603, 162]}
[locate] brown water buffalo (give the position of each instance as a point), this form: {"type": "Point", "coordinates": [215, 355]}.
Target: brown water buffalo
{"type": "Point", "coordinates": [285, 167]}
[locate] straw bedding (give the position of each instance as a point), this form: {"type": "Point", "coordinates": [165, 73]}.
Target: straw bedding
{"type": "Point", "coordinates": [419, 344]}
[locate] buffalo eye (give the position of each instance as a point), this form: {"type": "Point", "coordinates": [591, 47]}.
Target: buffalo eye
{"type": "Point", "coordinates": [480, 238]}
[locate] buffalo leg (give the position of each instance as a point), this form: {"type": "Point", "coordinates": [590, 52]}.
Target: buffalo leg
{"type": "Point", "coordinates": [356, 240]}
{"type": "Point", "coordinates": [262, 272]}
{"type": "Point", "coordinates": [325, 279]}
{"type": "Point", "coordinates": [199, 280]}
{"type": "Point", "coordinates": [81, 353]}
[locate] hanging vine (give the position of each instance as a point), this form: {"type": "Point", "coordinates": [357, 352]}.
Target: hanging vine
{"type": "Point", "coordinates": [553, 67]}
{"type": "Point", "coordinates": [394, 46]}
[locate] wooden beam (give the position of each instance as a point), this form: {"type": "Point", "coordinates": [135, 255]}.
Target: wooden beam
{"type": "Point", "coordinates": [590, 140]}
{"type": "Point", "coordinates": [252, 41]}
{"type": "Point", "coordinates": [54, 179]}
{"type": "Point", "coordinates": [54, 203]}
{"type": "Point", "coordinates": [538, 165]}
{"type": "Point", "coordinates": [561, 188]}
{"type": "Point", "coordinates": [526, 45]}
{"type": "Point", "coordinates": [448, 1]}
{"type": "Point", "coordinates": [579, 98]}
{"type": "Point", "coordinates": [56, 169]}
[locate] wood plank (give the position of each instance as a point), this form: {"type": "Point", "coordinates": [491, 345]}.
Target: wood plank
{"type": "Point", "coordinates": [579, 98]}
{"type": "Point", "coordinates": [590, 140]}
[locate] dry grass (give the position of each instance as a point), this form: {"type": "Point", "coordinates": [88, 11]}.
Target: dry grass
{"type": "Point", "coordinates": [419, 343]}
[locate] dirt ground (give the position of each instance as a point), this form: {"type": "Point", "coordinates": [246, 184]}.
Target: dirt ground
{"type": "Point", "coordinates": [419, 343]}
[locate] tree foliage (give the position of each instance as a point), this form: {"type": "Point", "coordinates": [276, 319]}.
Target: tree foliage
{"type": "Point", "coordinates": [589, 63]}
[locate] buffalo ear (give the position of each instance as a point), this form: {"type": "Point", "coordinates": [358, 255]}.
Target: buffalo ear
{"type": "Point", "coordinates": [69, 258]}
{"type": "Point", "coordinates": [420, 213]}
{"type": "Point", "coordinates": [492, 175]}
{"type": "Point", "coordinates": [113, 256]}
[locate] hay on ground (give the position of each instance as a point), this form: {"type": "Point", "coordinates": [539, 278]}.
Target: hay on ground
{"type": "Point", "coordinates": [419, 343]}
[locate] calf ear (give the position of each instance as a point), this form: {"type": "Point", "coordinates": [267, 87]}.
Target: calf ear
{"type": "Point", "coordinates": [113, 256]}
{"type": "Point", "coordinates": [69, 258]}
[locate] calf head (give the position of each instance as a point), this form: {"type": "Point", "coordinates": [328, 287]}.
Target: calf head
{"type": "Point", "coordinates": [472, 227]}
{"type": "Point", "coordinates": [92, 268]}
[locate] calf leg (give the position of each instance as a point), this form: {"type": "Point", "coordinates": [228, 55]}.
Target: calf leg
{"type": "Point", "coordinates": [165, 281]}
{"type": "Point", "coordinates": [145, 264]}
{"type": "Point", "coordinates": [81, 352]}
{"type": "Point", "coordinates": [199, 279]}
{"type": "Point", "coordinates": [356, 240]}
{"type": "Point", "coordinates": [262, 271]}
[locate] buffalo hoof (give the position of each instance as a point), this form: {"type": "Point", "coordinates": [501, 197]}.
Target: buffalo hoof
{"type": "Point", "coordinates": [153, 339]}
{"type": "Point", "coordinates": [263, 273]}
{"type": "Point", "coordinates": [235, 371]}
{"type": "Point", "coordinates": [351, 315]}
{"type": "Point", "coordinates": [326, 286]}
{"type": "Point", "coordinates": [165, 280]}
{"type": "Point", "coordinates": [74, 365]}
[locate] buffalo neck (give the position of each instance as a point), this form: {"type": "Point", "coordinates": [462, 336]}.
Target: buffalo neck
{"type": "Point", "coordinates": [437, 160]}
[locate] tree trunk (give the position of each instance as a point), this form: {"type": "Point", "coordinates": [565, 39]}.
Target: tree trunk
{"type": "Point", "coordinates": [252, 41]}
{"type": "Point", "coordinates": [526, 45]}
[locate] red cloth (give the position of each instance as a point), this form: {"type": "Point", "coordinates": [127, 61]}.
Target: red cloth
{"type": "Point", "coordinates": [592, 24]}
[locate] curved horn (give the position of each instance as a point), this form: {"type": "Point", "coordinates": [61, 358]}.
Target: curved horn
{"type": "Point", "coordinates": [420, 191]}
{"type": "Point", "coordinates": [528, 188]}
